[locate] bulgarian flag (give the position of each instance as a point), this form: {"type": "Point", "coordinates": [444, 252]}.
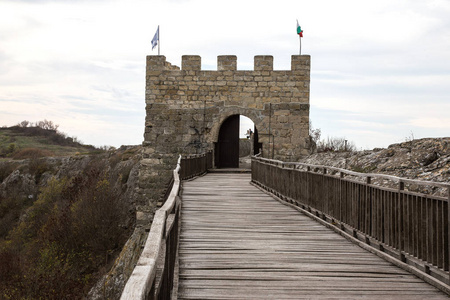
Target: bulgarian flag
{"type": "Point", "coordinates": [299, 30]}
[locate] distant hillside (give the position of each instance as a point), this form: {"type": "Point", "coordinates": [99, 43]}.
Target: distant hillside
{"type": "Point", "coordinates": [19, 142]}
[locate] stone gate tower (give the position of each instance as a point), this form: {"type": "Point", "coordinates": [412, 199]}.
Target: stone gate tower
{"type": "Point", "coordinates": [186, 108]}
{"type": "Point", "coordinates": [189, 110]}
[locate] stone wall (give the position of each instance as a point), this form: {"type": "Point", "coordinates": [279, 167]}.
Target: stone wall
{"type": "Point", "coordinates": [185, 108]}
{"type": "Point", "coordinates": [245, 146]}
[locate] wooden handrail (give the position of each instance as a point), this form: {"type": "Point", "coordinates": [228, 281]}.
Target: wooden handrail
{"type": "Point", "coordinates": [153, 275]}
{"type": "Point", "coordinates": [142, 279]}
{"type": "Point", "coordinates": [408, 226]}
{"type": "Point", "coordinates": [353, 173]}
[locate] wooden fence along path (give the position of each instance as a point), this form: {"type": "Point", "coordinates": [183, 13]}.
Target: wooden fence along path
{"type": "Point", "coordinates": [237, 242]}
{"type": "Point", "coordinates": [154, 274]}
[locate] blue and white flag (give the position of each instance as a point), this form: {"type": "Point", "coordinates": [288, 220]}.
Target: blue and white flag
{"type": "Point", "coordinates": [155, 39]}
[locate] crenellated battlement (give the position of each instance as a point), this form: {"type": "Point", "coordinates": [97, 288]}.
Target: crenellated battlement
{"type": "Point", "coordinates": [187, 106]}
{"type": "Point", "coordinates": [299, 63]}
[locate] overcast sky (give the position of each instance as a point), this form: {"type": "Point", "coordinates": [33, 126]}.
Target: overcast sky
{"type": "Point", "coordinates": [380, 70]}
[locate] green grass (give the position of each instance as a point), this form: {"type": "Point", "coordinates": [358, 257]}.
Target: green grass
{"type": "Point", "coordinates": [12, 141]}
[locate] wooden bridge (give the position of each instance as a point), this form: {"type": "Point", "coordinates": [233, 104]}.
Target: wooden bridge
{"type": "Point", "coordinates": [293, 231]}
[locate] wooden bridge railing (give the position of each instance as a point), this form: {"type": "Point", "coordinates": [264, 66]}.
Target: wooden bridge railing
{"type": "Point", "coordinates": [153, 275]}
{"type": "Point", "coordinates": [409, 226]}
{"type": "Point", "coordinates": [194, 165]}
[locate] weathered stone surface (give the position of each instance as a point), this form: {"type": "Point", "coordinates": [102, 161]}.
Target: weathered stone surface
{"type": "Point", "coordinates": [212, 96]}
{"type": "Point", "coordinates": [423, 159]}
{"type": "Point", "coordinates": [111, 285]}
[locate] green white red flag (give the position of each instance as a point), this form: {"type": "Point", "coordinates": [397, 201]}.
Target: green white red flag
{"type": "Point", "coordinates": [299, 30]}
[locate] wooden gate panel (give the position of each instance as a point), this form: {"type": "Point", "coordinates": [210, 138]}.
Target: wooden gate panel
{"type": "Point", "coordinates": [228, 144]}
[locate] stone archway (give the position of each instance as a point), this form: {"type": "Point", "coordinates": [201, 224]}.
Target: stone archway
{"type": "Point", "coordinates": [228, 143]}
{"type": "Point", "coordinates": [255, 115]}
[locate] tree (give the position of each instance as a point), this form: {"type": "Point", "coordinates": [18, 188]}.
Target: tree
{"type": "Point", "coordinates": [314, 137]}
{"type": "Point", "coordinates": [24, 123]}
{"type": "Point", "coordinates": [47, 125]}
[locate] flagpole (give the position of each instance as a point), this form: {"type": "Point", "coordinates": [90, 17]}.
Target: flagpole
{"type": "Point", "coordinates": [300, 51]}
{"type": "Point", "coordinates": [299, 32]}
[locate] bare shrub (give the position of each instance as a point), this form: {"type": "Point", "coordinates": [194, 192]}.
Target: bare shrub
{"type": "Point", "coordinates": [24, 123]}
{"type": "Point", "coordinates": [314, 137]}
{"type": "Point", "coordinates": [32, 153]}
{"type": "Point", "coordinates": [47, 125]}
{"type": "Point", "coordinates": [335, 144]}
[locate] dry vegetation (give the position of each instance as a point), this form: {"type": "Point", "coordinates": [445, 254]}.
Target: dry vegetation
{"type": "Point", "coordinates": [64, 237]}
{"type": "Point", "coordinates": [40, 139]}
{"type": "Point", "coordinates": [57, 241]}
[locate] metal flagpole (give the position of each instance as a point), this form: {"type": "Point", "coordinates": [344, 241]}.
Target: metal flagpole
{"type": "Point", "coordinates": [299, 32]}
{"type": "Point", "coordinates": [270, 121]}
{"type": "Point", "coordinates": [300, 51]}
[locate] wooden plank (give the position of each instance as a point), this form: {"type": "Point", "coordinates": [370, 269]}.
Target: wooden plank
{"type": "Point", "coordinates": [237, 242]}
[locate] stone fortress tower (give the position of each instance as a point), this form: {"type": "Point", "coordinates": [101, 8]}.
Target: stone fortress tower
{"type": "Point", "coordinates": [191, 111]}
{"type": "Point", "coordinates": [187, 109]}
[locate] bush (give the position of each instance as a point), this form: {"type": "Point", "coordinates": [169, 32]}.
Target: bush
{"type": "Point", "coordinates": [9, 150]}
{"type": "Point", "coordinates": [38, 167]}
{"type": "Point", "coordinates": [6, 169]}
{"type": "Point", "coordinates": [10, 211]}
{"type": "Point", "coordinates": [314, 137]}
{"type": "Point", "coordinates": [32, 153]}
{"type": "Point", "coordinates": [24, 123]}
{"type": "Point", "coordinates": [335, 144]}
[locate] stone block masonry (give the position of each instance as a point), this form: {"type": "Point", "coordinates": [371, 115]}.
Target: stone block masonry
{"type": "Point", "coordinates": [185, 108]}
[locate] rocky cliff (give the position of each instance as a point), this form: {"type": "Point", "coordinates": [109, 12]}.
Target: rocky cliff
{"type": "Point", "coordinates": [423, 159]}
{"type": "Point", "coordinates": [60, 195]}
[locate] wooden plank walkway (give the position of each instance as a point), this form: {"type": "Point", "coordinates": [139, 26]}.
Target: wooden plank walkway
{"type": "Point", "coordinates": [239, 243]}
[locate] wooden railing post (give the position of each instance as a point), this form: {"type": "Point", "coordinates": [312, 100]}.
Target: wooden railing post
{"type": "Point", "coordinates": [308, 186]}
{"type": "Point", "coordinates": [368, 207]}
{"type": "Point", "coordinates": [324, 194]}
{"type": "Point", "coordinates": [341, 194]}
{"type": "Point", "coordinates": [401, 247]}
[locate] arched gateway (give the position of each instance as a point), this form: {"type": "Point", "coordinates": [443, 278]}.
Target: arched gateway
{"type": "Point", "coordinates": [187, 108]}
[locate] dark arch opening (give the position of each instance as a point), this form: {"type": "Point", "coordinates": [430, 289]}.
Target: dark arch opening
{"type": "Point", "coordinates": [233, 138]}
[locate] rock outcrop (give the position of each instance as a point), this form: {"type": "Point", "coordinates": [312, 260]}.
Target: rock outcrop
{"type": "Point", "coordinates": [423, 159]}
